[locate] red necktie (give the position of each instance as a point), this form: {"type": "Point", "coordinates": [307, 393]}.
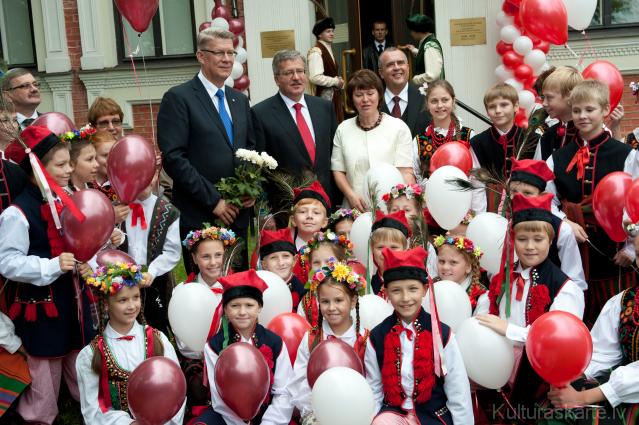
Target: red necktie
{"type": "Point", "coordinates": [397, 111]}
{"type": "Point", "coordinates": [137, 212]}
{"type": "Point", "coordinates": [302, 126]}
{"type": "Point", "coordinates": [217, 290]}
{"type": "Point", "coordinates": [581, 159]}
{"type": "Point", "coordinates": [519, 282]}
{"type": "Point", "coordinates": [400, 329]}
{"type": "Point", "coordinates": [561, 131]}
{"type": "Point", "coordinates": [125, 338]}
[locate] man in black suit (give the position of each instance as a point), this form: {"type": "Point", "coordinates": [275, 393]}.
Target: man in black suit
{"type": "Point", "coordinates": [402, 99]}
{"type": "Point", "coordinates": [201, 123]}
{"type": "Point", "coordinates": [370, 54]}
{"type": "Point", "coordinates": [300, 137]}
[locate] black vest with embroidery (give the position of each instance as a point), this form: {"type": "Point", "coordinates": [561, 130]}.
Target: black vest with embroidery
{"type": "Point", "coordinates": [434, 411]}
{"type": "Point", "coordinates": [491, 154]}
{"type": "Point", "coordinates": [377, 283]}
{"type": "Point", "coordinates": [553, 254]}
{"type": "Point", "coordinates": [551, 141]}
{"type": "Point", "coordinates": [629, 326]}
{"type": "Point", "coordinates": [297, 289]}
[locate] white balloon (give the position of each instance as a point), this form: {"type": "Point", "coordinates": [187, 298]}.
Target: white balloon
{"type": "Point", "coordinates": [522, 45]}
{"type": "Point", "coordinates": [241, 55]}
{"type": "Point", "coordinates": [220, 23]}
{"type": "Point", "coordinates": [237, 70]}
{"type": "Point", "coordinates": [509, 34]}
{"type": "Point", "coordinates": [488, 230]}
{"type": "Point", "coordinates": [277, 297]}
{"type": "Point", "coordinates": [341, 396]}
{"type": "Point", "coordinates": [240, 42]}
{"type": "Point", "coordinates": [381, 178]}
{"type": "Point", "coordinates": [545, 67]}
{"type": "Point", "coordinates": [453, 304]}
{"type": "Point", "coordinates": [229, 82]}
{"type": "Point", "coordinates": [447, 203]}
{"type": "Point", "coordinates": [360, 237]}
{"type": "Point", "coordinates": [503, 19]}
{"type": "Point", "coordinates": [488, 356]}
{"type": "Point", "coordinates": [515, 83]}
{"type": "Point", "coordinates": [526, 100]}
{"type": "Point", "coordinates": [190, 314]}
{"type": "Point", "coordinates": [580, 12]}
{"type": "Point", "coordinates": [535, 58]}
{"type": "Point", "coordinates": [503, 73]}
{"type": "Point", "coordinates": [373, 310]}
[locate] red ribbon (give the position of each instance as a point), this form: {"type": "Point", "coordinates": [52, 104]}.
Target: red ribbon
{"type": "Point", "coordinates": [125, 338]}
{"type": "Point", "coordinates": [519, 281]}
{"type": "Point", "coordinates": [104, 394]}
{"type": "Point", "coordinates": [137, 213]}
{"type": "Point", "coordinates": [581, 159]}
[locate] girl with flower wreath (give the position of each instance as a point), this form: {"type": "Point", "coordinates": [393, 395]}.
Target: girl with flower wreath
{"type": "Point", "coordinates": [407, 197]}
{"type": "Point", "coordinates": [341, 221]}
{"type": "Point", "coordinates": [242, 302]}
{"type": "Point", "coordinates": [104, 366]}
{"type": "Point", "coordinates": [337, 288]}
{"type": "Point", "coordinates": [458, 261]}
{"type": "Point", "coordinates": [83, 158]}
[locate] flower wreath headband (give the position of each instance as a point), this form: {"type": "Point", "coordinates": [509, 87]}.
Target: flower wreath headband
{"type": "Point", "coordinates": [84, 133]}
{"type": "Point", "coordinates": [410, 191]}
{"type": "Point", "coordinates": [226, 236]}
{"type": "Point", "coordinates": [341, 273]}
{"type": "Point", "coordinates": [461, 243]}
{"type": "Point", "coordinates": [109, 279]}
{"type": "Point", "coordinates": [343, 214]}
{"type": "Point", "coordinates": [328, 236]}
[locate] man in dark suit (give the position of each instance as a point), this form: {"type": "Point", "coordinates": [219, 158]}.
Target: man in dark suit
{"type": "Point", "coordinates": [402, 99]}
{"type": "Point", "coordinates": [370, 54]}
{"type": "Point", "coordinates": [294, 128]}
{"type": "Point", "coordinates": [201, 123]}
{"type": "Point", "coordinates": [21, 89]}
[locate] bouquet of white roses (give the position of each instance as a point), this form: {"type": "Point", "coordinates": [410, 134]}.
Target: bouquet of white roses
{"type": "Point", "coordinates": [248, 178]}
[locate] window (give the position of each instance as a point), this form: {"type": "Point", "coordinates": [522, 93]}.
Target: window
{"type": "Point", "coordinates": [611, 13]}
{"type": "Point", "coordinates": [16, 33]}
{"type": "Point", "coordinates": [171, 33]}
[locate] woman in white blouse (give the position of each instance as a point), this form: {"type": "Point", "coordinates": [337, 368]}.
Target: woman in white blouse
{"type": "Point", "coordinates": [370, 138]}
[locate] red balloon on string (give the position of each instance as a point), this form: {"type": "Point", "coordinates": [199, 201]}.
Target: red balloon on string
{"type": "Point", "coordinates": [512, 60]}
{"type": "Point", "coordinates": [56, 122]}
{"type": "Point", "coordinates": [242, 83]}
{"type": "Point", "coordinates": [163, 378]}
{"type": "Point", "coordinates": [203, 26]}
{"type": "Point", "coordinates": [503, 47]}
{"type": "Point", "coordinates": [559, 347]}
{"type": "Point", "coordinates": [236, 41]}
{"type": "Point", "coordinates": [510, 9]}
{"type": "Point", "coordinates": [220, 12]}
{"type": "Point", "coordinates": [608, 74]}
{"type": "Point", "coordinates": [608, 201]}
{"type": "Point", "coordinates": [521, 120]}
{"type": "Point", "coordinates": [236, 26]}
{"type": "Point", "coordinates": [331, 353]}
{"type": "Point", "coordinates": [632, 201]}
{"type": "Point", "coordinates": [131, 166]}
{"type": "Point", "coordinates": [242, 378]}
{"type": "Point", "coordinates": [523, 72]}
{"type": "Point", "coordinates": [85, 238]}
{"type": "Point", "coordinates": [112, 256]}
{"type": "Point", "coordinates": [545, 19]}
{"type": "Point", "coordinates": [291, 327]}
{"type": "Point", "coordinates": [452, 153]}
{"type": "Point", "coordinates": [542, 45]}
{"type": "Point", "coordinates": [138, 13]}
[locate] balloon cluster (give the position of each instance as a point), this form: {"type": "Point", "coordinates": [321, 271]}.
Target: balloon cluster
{"type": "Point", "coordinates": [221, 19]}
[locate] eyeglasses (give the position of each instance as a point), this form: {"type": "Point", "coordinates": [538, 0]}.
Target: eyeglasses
{"type": "Point", "coordinates": [292, 72]}
{"type": "Point", "coordinates": [107, 123]}
{"type": "Point", "coordinates": [34, 84]}
{"type": "Point", "coordinates": [221, 53]}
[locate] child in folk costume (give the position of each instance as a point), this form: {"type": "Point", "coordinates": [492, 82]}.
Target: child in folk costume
{"type": "Point", "coordinates": [341, 221]}
{"type": "Point", "coordinates": [277, 253]}
{"type": "Point", "coordinates": [105, 365]}
{"type": "Point", "coordinates": [103, 142]}
{"type": "Point", "coordinates": [50, 310]}
{"type": "Point", "coordinates": [310, 214]}
{"type": "Point", "coordinates": [337, 287]}
{"type": "Point", "coordinates": [406, 197]}
{"type": "Point", "coordinates": [242, 301]}
{"type": "Point", "coordinates": [413, 364]}
{"type": "Point", "coordinates": [83, 158]}
{"type": "Point", "coordinates": [390, 231]}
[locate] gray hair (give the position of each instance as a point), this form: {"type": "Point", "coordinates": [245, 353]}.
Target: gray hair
{"type": "Point", "coordinates": [12, 74]}
{"type": "Point", "coordinates": [210, 33]}
{"type": "Point", "coordinates": [286, 55]}
{"type": "Point", "coordinates": [388, 50]}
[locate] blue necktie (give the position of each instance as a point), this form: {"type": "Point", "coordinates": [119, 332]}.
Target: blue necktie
{"type": "Point", "coordinates": [224, 115]}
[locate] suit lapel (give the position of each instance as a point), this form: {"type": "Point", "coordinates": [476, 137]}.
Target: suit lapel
{"type": "Point", "coordinates": [207, 103]}
{"type": "Point", "coordinates": [412, 110]}
{"type": "Point", "coordinates": [290, 126]}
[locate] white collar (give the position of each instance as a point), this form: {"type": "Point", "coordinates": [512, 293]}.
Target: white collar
{"type": "Point", "coordinates": [465, 284]}
{"type": "Point", "coordinates": [403, 95]}
{"type": "Point", "coordinates": [150, 201]}
{"type": "Point", "coordinates": [209, 86]}
{"type": "Point", "coordinates": [21, 117]}
{"type": "Point", "coordinates": [501, 133]}
{"type": "Point", "coordinates": [329, 46]}
{"type": "Point", "coordinates": [350, 332]}
{"type": "Point", "coordinates": [290, 102]}
{"type": "Point", "coordinates": [383, 43]}
{"type": "Point", "coordinates": [110, 333]}
{"type": "Point", "coordinates": [200, 279]}
{"type": "Point", "coordinates": [525, 273]}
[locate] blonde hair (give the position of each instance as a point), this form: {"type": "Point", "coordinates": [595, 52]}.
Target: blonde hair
{"type": "Point", "coordinates": [303, 202]}
{"type": "Point", "coordinates": [591, 91]}
{"type": "Point", "coordinates": [535, 226]}
{"type": "Point", "coordinates": [503, 90]}
{"type": "Point", "coordinates": [475, 268]}
{"type": "Point", "coordinates": [563, 79]}
{"type": "Point", "coordinates": [387, 234]}
{"type": "Point", "coordinates": [339, 251]}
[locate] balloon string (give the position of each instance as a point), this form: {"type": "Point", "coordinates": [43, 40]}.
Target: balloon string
{"type": "Point", "coordinates": [580, 62]}
{"type": "Point", "coordinates": [509, 405]}
{"type": "Point", "coordinates": [150, 106]}
{"type": "Point", "coordinates": [591, 49]}
{"type": "Point", "coordinates": [600, 252]}
{"type": "Point", "coordinates": [128, 47]}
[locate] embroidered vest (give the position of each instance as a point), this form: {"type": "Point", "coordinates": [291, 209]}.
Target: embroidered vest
{"type": "Point", "coordinates": [330, 66]}
{"type": "Point", "coordinates": [629, 325]}
{"type": "Point", "coordinates": [419, 65]}
{"type": "Point", "coordinates": [427, 145]}
{"type": "Point", "coordinates": [491, 154]}
{"type": "Point", "coordinates": [297, 290]}
{"type": "Point", "coordinates": [552, 140]}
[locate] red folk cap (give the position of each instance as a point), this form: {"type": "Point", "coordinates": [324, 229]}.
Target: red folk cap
{"type": "Point", "coordinates": [38, 139]}
{"type": "Point", "coordinates": [531, 171]}
{"type": "Point", "coordinates": [409, 264]}
{"type": "Point", "coordinates": [396, 220]}
{"type": "Point", "coordinates": [314, 191]}
{"type": "Point", "coordinates": [243, 285]}
{"type": "Point", "coordinates": [275, 241]}
{"type": "Point", "coordinates": [532, 208]}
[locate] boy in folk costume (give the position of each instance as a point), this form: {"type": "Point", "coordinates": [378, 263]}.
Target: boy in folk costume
{"type": "Point", "coordinates": [390, 231]}
{"type": "Point", "coordinates": [105, 365]}
{"type": "Point", "coordinates": [413, 363]}
{"type": "Point", "coordinates": [50, 310]}
{"type": "Point", "coordinates": [429, 58]}
{"type": "Point", "coordinates": [243, 301]}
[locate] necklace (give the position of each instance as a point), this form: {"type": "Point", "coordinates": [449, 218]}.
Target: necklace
{"type": "Point", "coordinates": [359, 124]}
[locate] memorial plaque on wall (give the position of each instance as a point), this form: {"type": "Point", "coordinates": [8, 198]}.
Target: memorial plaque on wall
{"type": "Point", "coordinates": [274, 41]}
{"type": "Point", "coordinates": [467, 32]}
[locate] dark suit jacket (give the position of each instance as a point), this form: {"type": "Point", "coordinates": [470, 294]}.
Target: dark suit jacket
{"type": "Point", "coordinates": [370, 56]}
{"type": "Point", "coordinates": [196, 149]}
{"type": "Point", "coordinates": [415, 115]}
{"type": "Point", "coordinates": [277, 133]}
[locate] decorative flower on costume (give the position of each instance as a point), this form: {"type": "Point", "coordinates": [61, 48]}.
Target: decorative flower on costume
{"type": "Point", "coordinates": [111, 278]}
{"type": "Point", "coordinates": [343, 214]}
{"type": "Point", "coordinates": [248, 178]}
{"type": "Point", "coordinates": [461, 243]}
{"type": "Point", "coordinates": [226, 236]}
{"type": "Point", "coordinates": [84, 133]}
{"type": "Point", "coordinates": [423, 88]}
{"type": "Point", "coordinates": [410, 191]}
{"type": "Point", "coordinates": [328, 236]}
{"type": "Point", "coordinates": [341, 273]}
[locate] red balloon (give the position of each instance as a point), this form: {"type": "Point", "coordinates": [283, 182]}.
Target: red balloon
{"type": "Point", "coordinates": [236, 41]}
{"type": "Point", "coordinates": [220, 12]}
{"type": "Point", "coordinates": [56, 122]}
{"type": "Point", "coordinates": [203, 26]}
{"type": "Point", "coordinates": [503, 47]}
{"type": "Point", "coordinates": [112, 256]}
{"type": "Point", "coordinates": [236, 26]}
{"type": "Point", "coordinates": [545, 19]}
{"type": "Point", "coordinates": [523, 72]}
{"type": "Point", "coordinates": [139, 13]}
{"type": "Point", "coordinates": [242, 378]}
{"type": "Point", "coordinates": [452, 153]}
{"type": "Point", "coordinates": [510, 9]}
{"type": "Point", "coordinates": [559, 347]}
{"type": "Point", "coordinates": [85, 238]}
{"type": "Point", "coordinates": [608, 201]}
{"type": "Point", "coordinates": [512, 59]}
{"type": "Point", "coordinates": [542, 45]}
{"type": "Point", "coordinates": [242, 83]}
{"type": "Point", "coordinates": [632, 201]}
{"type": "Point", "coordinates": [130, 167]}
{"type": "Point", "coordinates": [291, 327]}
{"type": "Point", "coordinates": [608, 74]}
{"type": "Point", "coordinates": [331, 353]}
{"type": "Point", "coordinates": [164, 379]}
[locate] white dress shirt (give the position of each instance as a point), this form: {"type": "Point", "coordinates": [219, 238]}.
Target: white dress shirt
{"type": "Point", "coordinates": [211, 89]}
{"type": "Point", "coordinates": [316, 67]}
{"type": "Point", "coordinates": [290, 103]}
{"type": "Point", "coordinates": [570, 256]}
{"type": "Point", "coordinates": [20, 118]}
{"type": "Point", "coordinates": [433, 63]}
{"type": "Point", "coordinates": [128, 354]}
{"type": "Point", "coordinates": [8, 338]}
{"type": "Point", "coordinates": [403, 99]}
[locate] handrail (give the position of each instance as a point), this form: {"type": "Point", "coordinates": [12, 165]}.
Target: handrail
{"type": "Point", "coordinates": [473, 111]}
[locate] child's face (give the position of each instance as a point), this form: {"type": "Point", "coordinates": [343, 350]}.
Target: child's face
{"type": "Point", "coordinates": [321, 255]}
{"type": "Point", "coordinates": [280, 263]}
{"type": "Point", "coordinates": [452, 264]}
{"type": "Point", "coordinates": [86, 165]}
{"type": "Point", "coordinates": [378, 247]}
{"type": "Point", "coordinates": [310, 218]}
{"type": "Point", "coordinates": [242, 313]}
{"type": "Point", "coordinates": [555, 104]}
{"type": "Point", "coordinates": [335, 305]}
{"type": "Point", "coordinates": [410, 207]}
{"type": "Point", "coordinates": [440, 104]}
{"type": "Point", "coordinates": [531, 247]}
{"type": "Point", "coordinates": [102, 155]}
{"type": "Point", "coordinates": [125, 306]}
{"type": "Point", "coordinates": [406, 297]}
{"type": "Point", "coordinates": [344, 228]}
{"type": "Point", "coordinates": [588, 117]}
{"type": "Point", "coordinates": [209, 258]}
{"type": "Point", "coordinates": [501, 112]}
{"type": "Point", "coordinates": [59, 167]}
{"type": "Point", "coordinates": [523, 188]}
